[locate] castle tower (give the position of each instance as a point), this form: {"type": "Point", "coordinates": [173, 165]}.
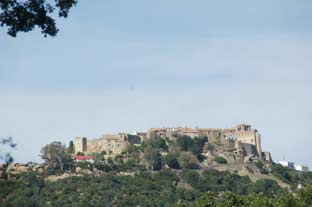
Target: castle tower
{"type": "Point", "coordinates": [80, 144]}
{"type": "Point", "coordinates": [247, 135]}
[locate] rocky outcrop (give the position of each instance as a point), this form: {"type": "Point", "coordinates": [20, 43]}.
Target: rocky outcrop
{"type": "Point", "coordinates": [16, 168]}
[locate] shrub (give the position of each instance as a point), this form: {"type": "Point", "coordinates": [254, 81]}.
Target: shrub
{"type": "Point", "coordinates": [172, 161]}
{"type": "Point", "coordinates": [220, 160]}
{"type": "Point", "coordinates": [259, 164]}
{"type": "Point", "coordinates": [188, 160]}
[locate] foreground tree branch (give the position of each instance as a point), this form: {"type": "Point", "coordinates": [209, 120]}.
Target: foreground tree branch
{"type": "Point", "coordinates": [24, 16]}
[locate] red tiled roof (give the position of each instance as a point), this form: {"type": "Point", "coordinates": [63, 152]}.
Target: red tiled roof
{"type": "Point", "coordinates": [82, 157]}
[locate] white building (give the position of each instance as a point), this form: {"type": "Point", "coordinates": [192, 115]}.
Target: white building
{"type": "Point", "coordinates": [302, 168]}
{"type": "Point", "coordinates": [287, 164]}
{"type": "Point", "coordinates": [292, 165]}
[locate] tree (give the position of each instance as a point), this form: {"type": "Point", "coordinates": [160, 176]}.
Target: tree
{"type": "Point", "coordinates": [259, 164]}
{"type": "Point", "coordinates": [184, 142]}
{"type": "Point", "coordinates": [208, 200]}
{"type": "Point", "coordinates": [188, 160]}
{"type": "Point", "coordinates": [160, 143]}
{"type": "Point", "coordinates": [153, 157]}
{"type": "Point", "coordinates": [24, 16]}
{"type": "Point", "coordinates": [55, 155]}
{"type": "Point", "coordinates": [172, 161]}
{"type": "Point", "coordinates": [305, 196]}
{"type": "Point", "coordinates": [71, 148]}
{"type": "Point", "coordinates": [198, 145]}
{"type": "Point", "coordinates": [286, 200]}
{"type": "Point", "coordinates": [134, 153]}
{"type": "Point", "coordinates": [267, 186]}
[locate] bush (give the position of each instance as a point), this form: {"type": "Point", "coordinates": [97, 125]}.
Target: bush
{"type": "Point", "coordinates": [220, 160]}
{"type": "Point", "coordinates": [259, 164]}
{"type": "Point", "coordinates": [267, 186]}
{"type": "Point", "coordinates": [85, 165]}
{"type": "Point", "coordinates": [188, 160]}
{"type": "Point", "coordinates": [172, 161]}
{"type": "Point", "coordinates": [264, 171]}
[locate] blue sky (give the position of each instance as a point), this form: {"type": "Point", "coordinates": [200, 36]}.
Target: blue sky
{"type": "Point", "coordinates": [127, 66]}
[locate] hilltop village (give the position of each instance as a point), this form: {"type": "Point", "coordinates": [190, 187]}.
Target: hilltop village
{"type": "Point", "coordinates": [184, 163]}
{"type": "Point", "coordinates": [237, 143]}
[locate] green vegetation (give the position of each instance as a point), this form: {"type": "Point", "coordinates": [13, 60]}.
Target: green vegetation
{"type": "Point", "coordinates": [188, 160]}
{"type": "Point", "coordinates": [143, 188]}
{"type": "Point", "coordinates": [158, 173]}
{"type": "Point", "coordinates": [194, 145]}
{"type": "Point", "coordinates": [185, 152]}
{"type": "Point", "coordinates": [260, 166]}
{"type": "Point", "coordinates": [172, 161]}
{"type": "Point", "coordinates": [56, 156]}
{"type": "Point", "coordinates": [302, 198]}
{"type": "Point", "coordinates": [220, 160]}
{"type": "Point", "coordinates": [212, 180]}
{"type": "Point", "coordinates": [292, 176]}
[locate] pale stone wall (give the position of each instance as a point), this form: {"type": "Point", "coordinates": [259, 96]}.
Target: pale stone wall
{"type": "Point", "coordinates": [78, 144]}
{"type": "Point", "coordinates": [110, 144]}
{"type": "Point", "coordinates": [250, 137]}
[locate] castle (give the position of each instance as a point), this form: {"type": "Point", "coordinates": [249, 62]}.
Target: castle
{"type": "Point", "coordinates": [241, 139]}
{"type": "Point", "coordinates": [109, 144]}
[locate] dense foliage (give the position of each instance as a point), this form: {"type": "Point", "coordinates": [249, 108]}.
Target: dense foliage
{"type": "Point", "coordinates": [292, 176]}
{"type": "Point", "coordinates": [194, 145]}
{"type": "Point", "coordinates": [302, 198]}
{"type": "Point", "coordinates": [144, 188]}
{"type": "Point", "coordinates": [216, 181]}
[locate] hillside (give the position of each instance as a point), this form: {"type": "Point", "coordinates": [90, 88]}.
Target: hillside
{"type": "Point", "coordinates": [159, 172]}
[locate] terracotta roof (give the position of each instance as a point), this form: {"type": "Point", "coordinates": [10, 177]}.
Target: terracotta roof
{"type": "Point", "coordinates": [84, 157]}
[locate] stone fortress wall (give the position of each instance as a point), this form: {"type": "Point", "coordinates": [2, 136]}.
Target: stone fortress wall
{"type": "Point", "coordinates": [241, 138]}
{"type": "Point", "coordinates": [109, 144]}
